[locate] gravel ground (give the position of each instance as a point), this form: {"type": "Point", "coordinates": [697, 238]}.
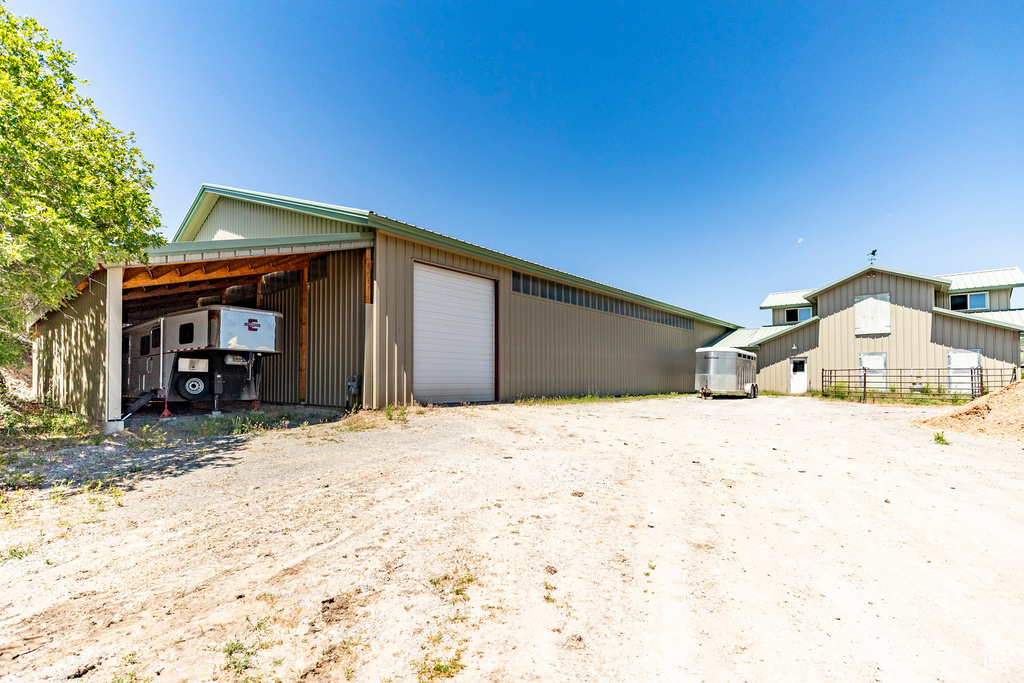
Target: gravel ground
{"type": "Point", "coordinates": [668, 539]}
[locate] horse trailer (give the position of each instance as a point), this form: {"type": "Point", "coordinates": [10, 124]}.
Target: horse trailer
{"type": "Point", "coordinates": [723, 370]}
{"type": "Point", "coordinates": [198, 354]}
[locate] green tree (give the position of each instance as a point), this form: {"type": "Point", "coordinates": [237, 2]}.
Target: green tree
{"type": "Point", "coordinates": [74, 190]}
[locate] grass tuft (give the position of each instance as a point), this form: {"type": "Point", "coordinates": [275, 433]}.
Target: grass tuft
{"type": "Point", "coordinates": [588, 398]}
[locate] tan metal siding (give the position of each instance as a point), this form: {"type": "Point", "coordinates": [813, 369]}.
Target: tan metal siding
{"type": "Point", "coordinates": [281, 372]}
{"type": "Point", "coordinates": [557, 349]}
{"type": "Point", "coordinates": [334, 334]}
{"type": "Point", "coordinates": [906, 345]}
{"type": "Point", "coordinates": [773, 359]}
{"type": "Point", "coordinates": [919, 339]}
{"type": "Point", "coordinates": [1000, 347]}
{"type": "Point", "coordinates": [545, 348]}
{"type": "Point", "coordinates": [233, 219]}
{"type": "Point", "coordinates": [71, 352]}
{"type": "Point", "coordinates": [335, 329]}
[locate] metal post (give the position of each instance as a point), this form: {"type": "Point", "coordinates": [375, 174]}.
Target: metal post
{"type": "Point", "coordinates": [303, 332]}
{"type": "Point", "coordinates": [864, 383]}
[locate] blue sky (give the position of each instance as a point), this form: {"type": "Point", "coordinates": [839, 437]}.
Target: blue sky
{"type": "Point", "coordinates": [704, 154]}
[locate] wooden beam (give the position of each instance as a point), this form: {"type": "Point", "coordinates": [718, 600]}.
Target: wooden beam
{"type": "Point", "coordinates": [259, 292]}
{"type": "Point", "coordinates": [139, 277]}
{"type": "Point", "coordinates": [166, 290]}
{"type": "Point", "coordinates": [159, 271]}
{"type": "Point", "coordinates": [186, 268]}
{"type": "Point", "coordinates": [303, 326]}
{"type": "Point", "coordinates": [153, 305]}
{"type": "Point", "coordinates": [368, 276]}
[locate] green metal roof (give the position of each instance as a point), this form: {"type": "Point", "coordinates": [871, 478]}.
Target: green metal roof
{"type": "Point", "coordinates": [209, 194]}
{"type": "Point", "coordinates": [795, 298]}
{"type": "Point", "coordinates": [985, 318]}
{"type": "Point", "coordinates": [940, 283]}
{"type": "Point", "coordinates": [982, 280]}
{"type": "Point", "coordinates": [177, 248]}
{"type": "Point", "coordinates": [750, 338]}
{"type": "Point", "coordinates": [1014, 316]}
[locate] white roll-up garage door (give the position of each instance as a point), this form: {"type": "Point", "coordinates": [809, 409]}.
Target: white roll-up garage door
{"type": "Point", "coordinates": [453, 336]}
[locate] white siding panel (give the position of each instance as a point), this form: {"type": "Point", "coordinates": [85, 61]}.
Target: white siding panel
{"type": "Point", "coordinates": [453, 336]}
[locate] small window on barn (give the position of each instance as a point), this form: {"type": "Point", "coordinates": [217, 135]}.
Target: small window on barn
{"type": "Point", "coordinates": [186, 333]}
{"type": "Point", "coordinates": [796, 315]}
{"type": "Point", "coordinates": [156, 338]}
{"type": "Point", "coordinates": [978, 301]}
{"type": "Point", "coordinates": [144, 346]}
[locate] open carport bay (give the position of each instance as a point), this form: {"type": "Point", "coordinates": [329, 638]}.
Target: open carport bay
{"type": "Point", "coordinates": [668, 539]}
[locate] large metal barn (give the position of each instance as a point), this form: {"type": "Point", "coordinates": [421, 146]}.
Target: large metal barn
{"type": "Point", "coordinates": [376, 312]}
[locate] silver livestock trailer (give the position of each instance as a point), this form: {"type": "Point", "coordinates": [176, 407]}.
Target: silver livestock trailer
{"type": "Point", "coordinates": [723, 370]}
{"type": "Point", "coordinates": [199, 354]}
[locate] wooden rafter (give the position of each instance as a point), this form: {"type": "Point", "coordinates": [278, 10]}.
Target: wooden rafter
{"type": "Point", "coordinates": [216, 270]}
{"type": "Point", "coordinates": [186, 287]}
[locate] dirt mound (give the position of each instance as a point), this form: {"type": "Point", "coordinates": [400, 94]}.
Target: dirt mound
{"type": "Point", "coordinates": [1000, 414]}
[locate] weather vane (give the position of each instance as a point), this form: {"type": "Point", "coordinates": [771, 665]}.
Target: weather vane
{"type": "Point", "coordinates": [872, 256]}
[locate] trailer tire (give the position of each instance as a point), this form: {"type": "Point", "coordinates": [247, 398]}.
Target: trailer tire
{"type": "Point", "coordinates": [193, 387]}
{"type": "Point", "coordinates": [755, 392]}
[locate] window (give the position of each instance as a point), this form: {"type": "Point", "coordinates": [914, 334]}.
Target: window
{"type": "Point", "coordinates": [144, 346]}
{"type": "Point", "coordinates": [871, 314]}
{"type": "Point", "coordinates": [574, 296]}
{"type": "Point", "coordinates": [796, 315]}
{"type": "Point", "coordinates": [156, 338]}
{"type": "Point", "coordinates": [978, 301]}
{"type": "Point", "coordinates": [186, 333]}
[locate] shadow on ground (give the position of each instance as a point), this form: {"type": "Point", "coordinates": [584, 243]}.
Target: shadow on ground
{"type": "Point", "coordinates": [151, 448]}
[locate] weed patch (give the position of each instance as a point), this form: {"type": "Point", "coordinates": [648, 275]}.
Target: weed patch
{"type": "Point", "coordinates": [589, 398]}
{"type": "Point", "coordinates": [441, 668]}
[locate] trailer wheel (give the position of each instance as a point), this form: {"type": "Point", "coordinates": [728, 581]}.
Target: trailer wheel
{"type": "Point", "coordinates": [755, 392]}
{"type": "Point", "coordinates": [193, 387]}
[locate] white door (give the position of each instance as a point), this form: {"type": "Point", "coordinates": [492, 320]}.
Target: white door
{"type": "Point", "coordinates": [960, 365]}
{"type": "Point", "coordinates": [453, 336]}
{"type": "Point", "coordinates": [797, 375]}
{"type": "Point", "coordinates": [876, 370]}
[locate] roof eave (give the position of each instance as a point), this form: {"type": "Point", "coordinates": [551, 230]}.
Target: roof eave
{"type": "Point", "coordinates": [786, 329]}
{"type": "Point", "coordinates": [941, 284]}
{"type": "Point", "coordinates": [978, 318]}
{"type": "Point", "coordinates": [803, 305]}
{"type": "Point", "coordinates": [209, 194]}
{"type": "Point", "coordinates": [968, 290]}
{"type": "Point", "coordinates": [413, 232]}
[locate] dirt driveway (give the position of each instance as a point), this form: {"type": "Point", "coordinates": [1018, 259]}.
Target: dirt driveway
{"type": "Point", "coordinates": [669, 539]}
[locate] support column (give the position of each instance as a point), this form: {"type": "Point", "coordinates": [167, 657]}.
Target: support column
{"type": "Point", "coordinates": [303, 333]}
{"type": "Point", "coordinates": [112, 384]}
{"type": "Point", "coordinates": [369, 330]}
